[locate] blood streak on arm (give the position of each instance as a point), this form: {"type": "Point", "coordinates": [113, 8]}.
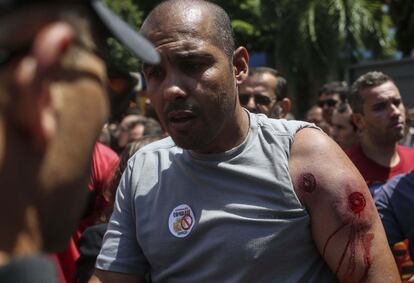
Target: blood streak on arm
{"type": "Point", "coordinates": [358, 239]}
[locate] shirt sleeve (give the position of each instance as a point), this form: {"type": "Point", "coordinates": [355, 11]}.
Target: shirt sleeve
{"type": "Point", "coordinates": [120, 249]}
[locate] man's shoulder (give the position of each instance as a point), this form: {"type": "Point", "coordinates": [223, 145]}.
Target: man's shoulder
{"type": "Point", "coordinates": [283, 126]}
{"type": "Point", "coordinates": [156, 149]}
{"type": "Point", "coordinates": [405, 150]}
{"type": "Point", "coordinates": [354, 150]}
{"type": "Point", "coordinates": [396, 189]}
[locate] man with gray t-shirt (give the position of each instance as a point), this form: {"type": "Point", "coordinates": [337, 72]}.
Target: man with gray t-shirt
{"type": "Point", "coordinates": [233, 196]}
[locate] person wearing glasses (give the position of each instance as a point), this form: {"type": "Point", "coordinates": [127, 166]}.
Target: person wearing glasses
{"type": "Point", "coordinates": [233, 196]}
{"type": "Point", "coordinates": [53, 103]}
{"type": "Point", "coordinates": [265, 91]}
{"type": "Point", "coordinates": [330, 96]}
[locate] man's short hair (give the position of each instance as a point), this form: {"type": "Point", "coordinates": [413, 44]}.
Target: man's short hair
{"type": "Point", "coordinates": [341, 88]}
{"type": "Point", "coordinates": [367, 80]}
{"type": "Point", "coordinates": [223, 36]}
{"type": "Point", "coordinates": [281, 83]}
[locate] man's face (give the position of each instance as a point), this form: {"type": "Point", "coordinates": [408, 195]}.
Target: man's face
{"type": "Point", "coordinates": [342, 130]}
{"type": "Point", "coordinates": [410, 114]}
{"type": "Point", "coordinates": [75, 90]}
{"type": "Point", "coordinates": [258, 93]}
{"type": "Point", "coordinates": [314, 116]}
{"type": "Point", "coordinates": [193, 90]}
{"type": "Point", "coordinates": [328, 103]}
{"type": "Point", "coordinates": [383, 114]}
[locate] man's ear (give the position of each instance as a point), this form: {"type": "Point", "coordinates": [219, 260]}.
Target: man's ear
{"type": "Point", "coordinates": [34, 111]}
{"type": "Point", "coordinates": [285, 104]}
{"type": "Point", "coordinates": [358, 120]}
{"type": "Point", "coordinates": [240, 64]}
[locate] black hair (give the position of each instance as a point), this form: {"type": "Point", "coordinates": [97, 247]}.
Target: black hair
{"type": "Point", "coordinates": [367, 80]}
{"type": "Point", "coordinates": [341, 88]}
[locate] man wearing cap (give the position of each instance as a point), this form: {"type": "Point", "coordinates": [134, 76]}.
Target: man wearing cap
{"type": "Point", "coordinates": [233, 196]}
{"type": "Point", "coordinates": [53, 103]}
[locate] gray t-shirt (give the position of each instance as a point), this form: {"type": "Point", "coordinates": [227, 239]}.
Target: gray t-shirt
{"type": "Point", "coordinates": [228, 217]}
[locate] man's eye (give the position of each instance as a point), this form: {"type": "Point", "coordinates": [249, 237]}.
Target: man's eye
{"type": "Point", "coordinates": [397, 102]}
{"type": "Point", "coordinates": [155, 73]}
{"type": "Point", "coordinates": [194, 67]}
{"type": "Point", "coordinates": [379, 106]}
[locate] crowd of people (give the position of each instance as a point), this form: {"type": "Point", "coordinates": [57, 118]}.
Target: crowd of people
{"type": "Point", "coordinates": [213, 181]}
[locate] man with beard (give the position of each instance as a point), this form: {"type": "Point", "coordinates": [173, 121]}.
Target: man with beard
{"type": "Point", "coordinates": [379, 114]}
{"type": "Point", "coordinates": [233, 196]}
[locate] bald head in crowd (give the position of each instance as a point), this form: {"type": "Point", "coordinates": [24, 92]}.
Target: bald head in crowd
{"type": "Point", "coordinates": [217, 173]}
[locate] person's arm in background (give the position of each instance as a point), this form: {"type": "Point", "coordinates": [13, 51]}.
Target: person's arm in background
{"type": "Point", "coordinates": [121, 258]}
{"type": "Point", "coordinates": [102, 276]}
{"type": "Point", "coordinates": [395, 204]}
{"type": "Point", "coordinates": [344, 221]}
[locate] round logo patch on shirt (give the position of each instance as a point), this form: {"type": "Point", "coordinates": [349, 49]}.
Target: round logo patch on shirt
{"type": "Point", "coordinates": [181, 221]}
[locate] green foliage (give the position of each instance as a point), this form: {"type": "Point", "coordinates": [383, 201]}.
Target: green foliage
{"type": "Point", "coordinates": [316, 40]}
{"type": "Point", "coordinates": [309, 41]}
{"type": "Point", "coordinates": [119, 58]}
{"type": "Point", "coordinates": [402, 14]}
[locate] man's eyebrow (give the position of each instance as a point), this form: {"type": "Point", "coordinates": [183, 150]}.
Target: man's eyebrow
{"type": "Point", "coordinates": [185, 55]}
{"type": "Point", "coordinates": [146, 66]}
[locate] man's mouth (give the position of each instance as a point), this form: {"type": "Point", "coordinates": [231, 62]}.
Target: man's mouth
{"type": "Point", "coordinates": [181, 120]}
{"type": "Point", "coordinates": [399, 124]}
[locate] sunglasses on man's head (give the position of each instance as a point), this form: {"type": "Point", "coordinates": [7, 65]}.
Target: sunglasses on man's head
{"type": "Point", "coordinates": [328, 102]}
{"type": "Point", "coordinates": [258, 99]}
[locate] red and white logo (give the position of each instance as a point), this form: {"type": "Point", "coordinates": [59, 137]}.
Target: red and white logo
{"type": "Point", "coordinates": [181, 221]}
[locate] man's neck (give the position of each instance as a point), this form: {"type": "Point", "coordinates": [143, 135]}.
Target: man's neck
{"type": "Point", "coordinates": [384, 154]}
{"type": "Point", "coordinates": [234, 133]}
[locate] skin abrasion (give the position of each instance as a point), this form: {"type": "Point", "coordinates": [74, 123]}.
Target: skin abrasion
{"type": "Point", "coordinates": [359, 243]}
{"type": "Point", "coordinates": [307, 183]}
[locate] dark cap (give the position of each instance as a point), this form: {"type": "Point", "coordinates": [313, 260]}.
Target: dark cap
{"type": "Point", "coordinates": [132, 40]}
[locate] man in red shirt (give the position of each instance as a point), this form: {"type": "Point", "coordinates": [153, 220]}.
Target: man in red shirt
{"type": "Point", "coordinates": [379, 114]}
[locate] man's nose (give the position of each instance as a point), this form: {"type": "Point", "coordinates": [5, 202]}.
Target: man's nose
{"type": "Point", "coordinates": [251, 104]}
{"type": "Point", "coordinates": [395, 110]}
{"type": "Point", "coordinates": [174, 88]}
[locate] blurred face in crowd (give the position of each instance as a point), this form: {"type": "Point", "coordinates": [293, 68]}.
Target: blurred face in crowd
{"type": "Point", "coordinates": [194, 89]}
{"type": "Point", "coordinates": [130, 130]}
{"type": "Point", "coordinates": [328, 102]}
{"type": "Point", "coordinates": [53, 104]}
{"type": "Point", "coordinates": [383, 115]}
{"type": "Point", "coordinates": [410, 116]}
{"type": "Point", "coordinates": [314, 115]}
{"type": "Point", "coordinates": [342, 130]}
{"type": "Point", "coordinates": [258, 93]}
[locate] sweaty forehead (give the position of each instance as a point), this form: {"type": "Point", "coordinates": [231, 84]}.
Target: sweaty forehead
{"type": "Point", "coordinates": [178, 21]}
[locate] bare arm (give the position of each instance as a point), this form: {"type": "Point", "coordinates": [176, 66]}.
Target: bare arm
{"type": "Point", "coordinates": [102, 276]}
{"type": "Point", "coordinates": [345, 224]}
